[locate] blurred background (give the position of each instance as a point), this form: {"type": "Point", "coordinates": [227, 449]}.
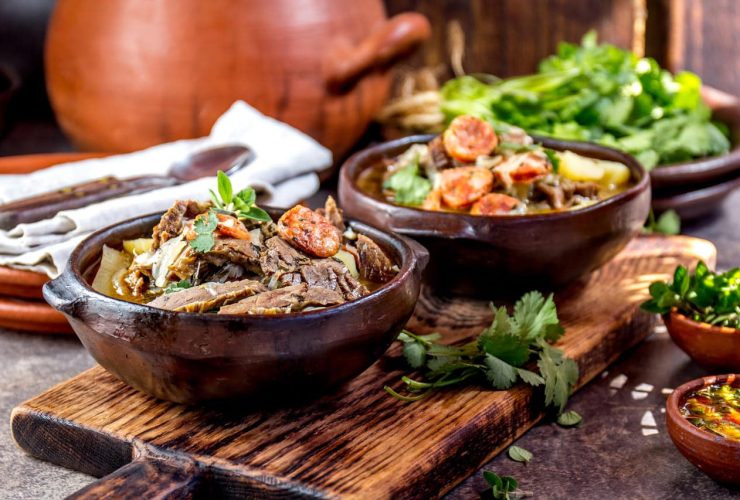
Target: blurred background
{"type": "Point", "coordinates": [501, 37]}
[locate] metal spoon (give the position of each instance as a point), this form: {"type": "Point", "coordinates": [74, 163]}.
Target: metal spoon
{"type": "Point", "coordinates": [204, 163]}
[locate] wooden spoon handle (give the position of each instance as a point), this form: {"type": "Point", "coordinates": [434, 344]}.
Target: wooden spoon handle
{"type": "Point", "coordinates": [396, 38]}
{"type": "Point", "coordinates": [46, 205]}
{"type": "Point", "coordinates": [145, 478]}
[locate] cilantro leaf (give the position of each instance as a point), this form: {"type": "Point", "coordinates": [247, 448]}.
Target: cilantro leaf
{"type": "Point", "coordinates": [500, 373]}
{"type": "Point", "coordinates": [560, 375]}
{"type": "Point", "coordinates": [204, 226]}
{"type": "Point", "coordinates": [533, 314]}
{"type": "Point", "coordinates": [569, 419]}
{"type": "Point", "coordinates": [519, 454]}
{"type": "Point", "coordinates": [408, 186]}
{"type": "Point", "coordinates": [498, 340]}
{"type": "Point", "coordinates": [176, 287]}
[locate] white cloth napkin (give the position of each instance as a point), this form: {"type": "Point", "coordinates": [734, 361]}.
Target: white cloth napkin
{"type": "Point", "coordinates": [283, 171]}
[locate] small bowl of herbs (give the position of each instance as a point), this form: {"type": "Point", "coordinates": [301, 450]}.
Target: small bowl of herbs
{"type": "Point", "coordinates": [701, 311]}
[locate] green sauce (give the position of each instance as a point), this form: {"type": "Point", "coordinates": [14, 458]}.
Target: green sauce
{"type": "Point", "coordinates": [715, 408]}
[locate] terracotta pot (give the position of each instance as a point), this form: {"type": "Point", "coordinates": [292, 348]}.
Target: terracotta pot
{"type": "Point", "coordinates": [126, 74]}
{"type": "Point", "coordinates": [717, 457]}
{"type": "Point", "coordinates": [194, 357]}
{"type": "Point", "coordinates": [713, 347]}
{"type": "Point", "coordinates": [473, 255]}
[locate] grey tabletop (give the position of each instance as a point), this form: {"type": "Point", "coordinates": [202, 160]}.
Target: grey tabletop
{"type": "Point", "coordinates": [620, 451]}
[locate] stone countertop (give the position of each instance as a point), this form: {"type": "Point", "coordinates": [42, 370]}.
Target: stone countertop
{"type": "Point", "coordinates": [621, 449]}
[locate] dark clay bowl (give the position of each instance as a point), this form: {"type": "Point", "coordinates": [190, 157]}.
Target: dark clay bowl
{"type": "Point", "coordinates": [717, 457]}
{"type": "Point", "coordinates": [476, 255]}
{"type": "Point", "coordinates": [194, 357]}
{"type": "Point", "coordinates": [713, 347]}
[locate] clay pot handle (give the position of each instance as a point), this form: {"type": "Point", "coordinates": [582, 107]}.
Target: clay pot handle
{"type": "Point", "coordinates": [145, 478]}
{"type": "Point", "coordinates": [395, 39]}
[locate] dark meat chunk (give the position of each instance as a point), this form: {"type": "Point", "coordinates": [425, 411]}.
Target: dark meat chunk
{"type": "Point", "coordinates": [375, 265]}
{"type": "Point", "coordinates": [553, 193]}
{"type": "Point", "coordinates": [207, 297]}
{"type": "Point", "coordinates": [171, 223]}
{"type": "Point", "coordinates": [586, 189]}
{"type": "Point", "coordinates": [438, 154]}
{"type": "Point", "coordinates": [279, 257]}
{"type": "Point", "coordinates": [333, 213]}
{"type": "Point", "coordinates": [561, 193]}
{"type": "Point", "coordinates": [332, 275]}
{"type": "Point", "coordinates": [242, 252]}
{"type": "Point", "coordinates": [284, 300]}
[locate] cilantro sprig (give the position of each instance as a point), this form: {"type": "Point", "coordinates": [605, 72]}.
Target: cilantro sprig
{"type": "Point", "coordinates": [204, 226]}
{"type": "Point", "coordinates": [497, 355]}
{"type": "Point", "coordinates": [502, 487]}
{"type": "Point", "coordinates": [241, 205]}
{"type": "Point", "coordinates": [703, 296]}
{"type": "Point", "coordinates": [176, 287]}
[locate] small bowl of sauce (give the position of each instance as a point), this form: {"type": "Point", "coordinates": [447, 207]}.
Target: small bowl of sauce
{"type": "Point", "coordinates": [703, 419]}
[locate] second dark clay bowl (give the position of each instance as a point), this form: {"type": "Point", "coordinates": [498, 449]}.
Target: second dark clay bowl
{"type": "Point", "coordinates": [475, 255]}
{"type": "Point", "coordinates": [195, 357]}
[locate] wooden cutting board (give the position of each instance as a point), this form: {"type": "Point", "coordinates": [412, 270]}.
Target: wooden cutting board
{"type": "Point", "coordinates": [356, 443]}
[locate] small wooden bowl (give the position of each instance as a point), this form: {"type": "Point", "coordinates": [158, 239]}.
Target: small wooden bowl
{"type": "Point", "coordinates": [717, 457]}
{"type": "Point", "coordinates": [197, 357]}
{"type": "Point", "coordinates": [505, 254]}
{"type": "Point", "coordinates": [713, 347]}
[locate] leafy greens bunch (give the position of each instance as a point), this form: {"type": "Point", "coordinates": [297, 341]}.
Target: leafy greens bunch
{"type": "Point", "coordinates": [704, 296]}
{"type": "Point", "coordinates": [497, 355]}
{"type": "Point", "coordinates": [599, 93]}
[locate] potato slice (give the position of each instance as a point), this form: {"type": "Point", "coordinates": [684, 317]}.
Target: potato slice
{"type": "Point", "coordinates": [579, 168]}
{"type": "Point", "coordinates": [138, 246]}
{"type": "Point", "coordinates": [349, 261]}
{"type": "Point", "coordinates": [615, 173]}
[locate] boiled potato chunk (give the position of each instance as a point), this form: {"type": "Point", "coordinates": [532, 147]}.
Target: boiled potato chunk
{"type": "Point", "coordinates": [111, 263]}
{"type": "Point", "coordinates": [616, 173]}
{"type": "Point", "coordinates": [580, 168]}
{"type": "Point", "coordinates": [348, 260]}
{"type": "Point", "coordinates": [138, 246]}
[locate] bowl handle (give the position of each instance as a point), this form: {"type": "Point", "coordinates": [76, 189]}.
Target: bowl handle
{"type": "Point", "coordinates": [59, 295]}
{"type": "Point", "coordinates": [148, 477]}
{"type": "Point", "coordinates": [396, 38]}
{"type": "Point", "coordinates": [421, 254]}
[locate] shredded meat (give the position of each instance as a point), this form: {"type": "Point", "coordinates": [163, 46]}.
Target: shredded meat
{"type": "Point", "coordinates": [333, 213]}
{"type": "Point", "coordinates": [284, 300]}
{"type": "Point", "coordinates": [332, 275]}
{"type": "Point", "coordinates": [207, 297]}
{"type": "Point", "coordinates": [242, 252]}
{"type": "Point", "coordinates": [171, 223]}
{"type": "Point", "coordinates": [438, 154]}
{"type": "Point", "coordinates": [561, 194]}
{"type": "Point", "coordinates": [279, 257]}
{"type": "Point", "coordinates": [374, 263]}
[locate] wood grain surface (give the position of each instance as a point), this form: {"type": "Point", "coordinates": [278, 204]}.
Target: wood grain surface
{"type": "Point", "coordinates": [355, 443]}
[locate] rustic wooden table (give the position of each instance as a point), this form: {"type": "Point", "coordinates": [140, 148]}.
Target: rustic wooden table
{"type": "Point", "coordinates": [621, 450]}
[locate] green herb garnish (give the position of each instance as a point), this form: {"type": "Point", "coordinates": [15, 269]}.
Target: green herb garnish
{"type": "Point", "coordinates": [668, 223]}
{"type": "Point", "coordinates": [242, 205]}
{"type": "Point", "coordinates": [569, 418]}
{"type": "Point", "coordinates": [497, 355]}
{"type": "Point", "coordinates": [502, 487]}
{"type": "Point", "coordinates": [409, 188]}
{"type": "Point", "coordinates": [176, 287]}
{"type": "Point", "coordinates": [204, 226]}
{"type": "Point", "coordinates": [519, 454]}
{"type": "Point", "coordinates": [703, 296]}
{"type": "Point", "coordinates": [599, 93]}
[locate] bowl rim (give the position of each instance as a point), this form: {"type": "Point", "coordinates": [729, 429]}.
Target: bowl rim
{"type": "Point", "coordinates": [673, 414]}
{"type": "Point", "coordinates": [358, 163]}
{"type": "Point", "coordinates": [700, 326]}
{"type": "Point", "coordinates": [72, 271]}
